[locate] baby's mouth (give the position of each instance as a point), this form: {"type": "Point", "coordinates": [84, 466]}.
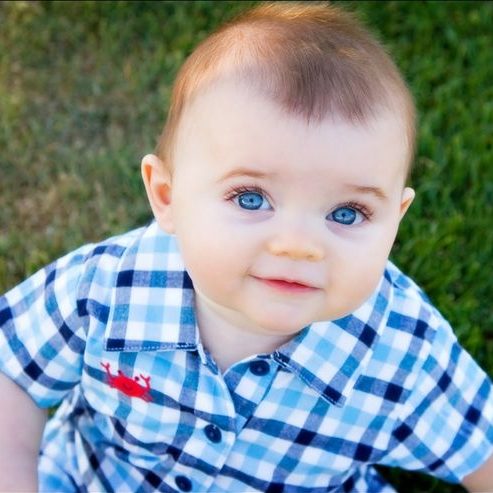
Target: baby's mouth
{"type": "Point", "coordinates": [286, 285]}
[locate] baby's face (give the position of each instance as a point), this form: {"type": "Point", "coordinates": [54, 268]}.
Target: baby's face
{"type": "Point", "coordinates": [282, 223]}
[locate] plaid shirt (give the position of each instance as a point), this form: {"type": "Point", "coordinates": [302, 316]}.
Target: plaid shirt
{"type": "Point", "coordinates": [109, 330]}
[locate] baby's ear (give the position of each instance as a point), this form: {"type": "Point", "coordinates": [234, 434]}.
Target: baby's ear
{"type": "Point", "coordinates": [408, 195]}
{"type": "Point", "coordinates": [157, 181]}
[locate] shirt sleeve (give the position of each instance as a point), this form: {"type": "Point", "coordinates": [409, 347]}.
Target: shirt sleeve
{"type": "Point", "coordinates": [42, 336]}
{"type": "Point", "coordinates": [446, 429]}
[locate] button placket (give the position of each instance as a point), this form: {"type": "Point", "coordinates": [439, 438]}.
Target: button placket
{"type": "Point", "coordinates": [213, 434]}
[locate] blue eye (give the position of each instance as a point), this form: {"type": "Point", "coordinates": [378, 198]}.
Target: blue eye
{"type": "Point", "coordinates": [346, 216]}
{"type": "Point", "coordinates": [252, 201]}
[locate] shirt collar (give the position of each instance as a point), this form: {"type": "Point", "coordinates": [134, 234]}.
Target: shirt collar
{"type": "Point", "coordinates": [152, 299]}
{"type": "Point", "coordinates": [330, 356]}
{"type": "Point", "coordinates": [152, 309]}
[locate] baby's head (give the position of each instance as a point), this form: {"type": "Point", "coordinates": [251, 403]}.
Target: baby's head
{"type": "Point", "coordinates": [282, 166]}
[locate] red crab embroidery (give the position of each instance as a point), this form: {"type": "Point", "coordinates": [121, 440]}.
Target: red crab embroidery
{"type": "Point", "coordinates": [129, 386]}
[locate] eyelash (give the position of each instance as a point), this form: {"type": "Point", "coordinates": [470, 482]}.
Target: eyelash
{"type": "Point", "coordinates": [362, 209]}
{"type": "Point", "coordinates": [235, 191]}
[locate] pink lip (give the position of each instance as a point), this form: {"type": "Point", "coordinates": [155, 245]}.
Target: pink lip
{"type": "Point", "coordinates": [287, 286]}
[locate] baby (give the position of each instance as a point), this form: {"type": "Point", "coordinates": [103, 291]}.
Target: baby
{"type": "Point", "coordinates": [254, 336]}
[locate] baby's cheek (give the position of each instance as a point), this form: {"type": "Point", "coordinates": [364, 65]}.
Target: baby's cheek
{"type": "Point", "coordinates": [208, 263]}
{"type": "Point", "coordinates": [353, 285]}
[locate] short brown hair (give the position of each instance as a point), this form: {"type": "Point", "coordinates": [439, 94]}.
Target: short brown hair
{"type": "Point", "coordinates": [313, 59]}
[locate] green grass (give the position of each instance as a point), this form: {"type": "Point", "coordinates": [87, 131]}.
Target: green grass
{"type": "Point", "coordinates": [83, 93]}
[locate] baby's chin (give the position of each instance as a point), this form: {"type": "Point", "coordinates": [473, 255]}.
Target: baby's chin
{"type": "Point", "coordinates": [283, 320]}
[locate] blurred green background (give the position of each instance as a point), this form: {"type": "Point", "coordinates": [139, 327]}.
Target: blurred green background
{"type": "Point", "coordinates": [84, 88]}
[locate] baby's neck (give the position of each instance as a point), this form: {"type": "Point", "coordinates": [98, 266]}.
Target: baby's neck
{"type": "Point", "coordinates": [229, 343]}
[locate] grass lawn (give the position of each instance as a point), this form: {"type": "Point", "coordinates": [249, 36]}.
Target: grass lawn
{"type": "Point", "coordinates": [83, 93]}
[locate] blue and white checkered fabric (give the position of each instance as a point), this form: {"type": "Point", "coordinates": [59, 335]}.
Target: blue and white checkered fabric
{"type": "Point", "coordinates": [110, 330]}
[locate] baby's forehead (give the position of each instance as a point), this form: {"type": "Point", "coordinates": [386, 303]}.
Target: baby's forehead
{"type": "Point", "coordinates": [232, 116]}
{"type": "Point", "coordinates": [229, 94]}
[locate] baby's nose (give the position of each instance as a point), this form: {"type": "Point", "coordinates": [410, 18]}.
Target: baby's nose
{"type": "Point", "coordinates": [296, 246]}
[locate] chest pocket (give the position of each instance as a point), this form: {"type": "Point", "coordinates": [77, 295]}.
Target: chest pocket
{"type": "Point", "coordinates": [136, 410]}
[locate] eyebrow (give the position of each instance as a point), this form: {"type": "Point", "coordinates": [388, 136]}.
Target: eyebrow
{"type": "Point", "coordinates": [253, 173]}
{"type": "Point", "coordinates": [375, 191]}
